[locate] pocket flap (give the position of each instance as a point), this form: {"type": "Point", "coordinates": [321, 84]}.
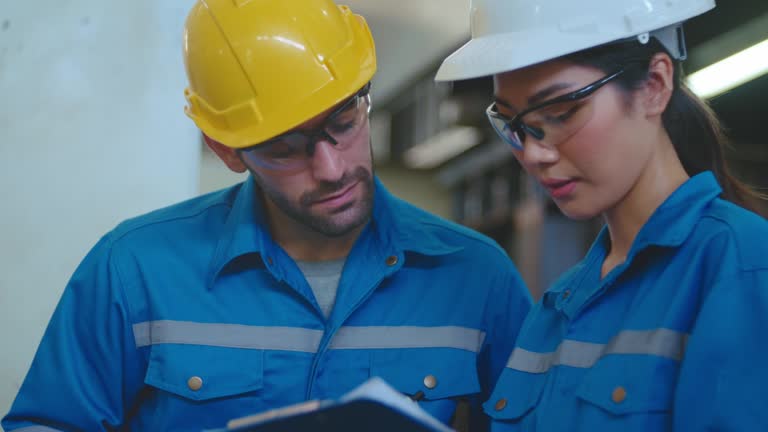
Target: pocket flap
{"type": "Point", "coordinates": [436, 372]}
{"type": "Point", "coordinates": [516, 393]}
{"type": "Point", "coordinates": [624, 384]}
{"type": "Point", "coordinates": [204, 372]}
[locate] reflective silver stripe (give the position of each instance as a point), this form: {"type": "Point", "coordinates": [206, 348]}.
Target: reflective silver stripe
{"type": "Point", "coordinates": [227, 335]}
{"type": "Point", "coordinates": [659, 342]}
{"type": "Point", "coordinates": [36, 429]}
{"type": "Point", "coordinates": [304, 340]}
{"type": "Point", "coordinates": [408, 337]}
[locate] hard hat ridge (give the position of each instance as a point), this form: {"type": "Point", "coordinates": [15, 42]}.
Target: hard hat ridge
{"type": "Point", "coordinates": [257, 69]}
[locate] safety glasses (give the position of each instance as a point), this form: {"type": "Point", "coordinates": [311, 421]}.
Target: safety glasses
{"type": "Point", "coordinates": [293, 151]}
{"type": "Point", "coordinates": [552, 121]}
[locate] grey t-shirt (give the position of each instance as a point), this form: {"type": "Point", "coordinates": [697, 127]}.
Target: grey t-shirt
{"type": "Point", "coordinates": [323, 278]}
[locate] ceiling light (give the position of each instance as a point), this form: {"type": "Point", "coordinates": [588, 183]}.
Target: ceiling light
{"type": "Point", "coordinates": [442, 147]}
{"type": "Point", "coordinates": [730, 72]}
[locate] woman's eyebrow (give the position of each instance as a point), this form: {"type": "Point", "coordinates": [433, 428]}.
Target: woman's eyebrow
{"type": "Point", "coordinates": [544, 93]}
{"type": "Point", "coordinates": [537, 97]}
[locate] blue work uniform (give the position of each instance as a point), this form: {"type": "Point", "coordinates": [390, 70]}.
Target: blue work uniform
{"type": "Point", "coordinates": [187, 317]}
{"type": "Point", "coordinates": [672, 339]}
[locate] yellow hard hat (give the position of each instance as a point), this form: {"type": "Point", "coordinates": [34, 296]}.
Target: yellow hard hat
{"type": "Point", "coordinates": [258, 68]}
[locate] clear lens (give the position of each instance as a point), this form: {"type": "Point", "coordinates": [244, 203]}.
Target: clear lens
{"type": "Point", "coordinates": [558, 122]}
{"type": "Point", "coordinates": [348, 123]}
{"type": "Point", "coordinates": [283, 152]}
{"type": "Point", "coordinates": [510, 134]}
{"type": "Point", "coordinates": [294, 150]}
{"type": "Point", "coordinates": [550, 124]}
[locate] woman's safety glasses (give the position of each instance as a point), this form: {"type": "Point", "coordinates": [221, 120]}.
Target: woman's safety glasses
{"type": "Point", "coordinates": [293, 151]}
{"type": "Point", "coordinates": [552, 121]}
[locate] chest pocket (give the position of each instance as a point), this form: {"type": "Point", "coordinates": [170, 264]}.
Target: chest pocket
{"type": "Point", "coordinates": [439, 377]}
{"type": "Point", "coordinates": [203, 373]}
{"type": "Point", "coordinates": [637, 391]}
{"type": "Point", "coordinates": [514, 398]}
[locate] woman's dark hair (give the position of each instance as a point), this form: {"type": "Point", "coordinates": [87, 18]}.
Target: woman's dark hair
{"type": "Point", "coordinates": [696, 132]}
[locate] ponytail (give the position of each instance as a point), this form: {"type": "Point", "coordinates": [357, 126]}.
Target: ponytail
{"type": "Point", "coordinates": [700, 141]}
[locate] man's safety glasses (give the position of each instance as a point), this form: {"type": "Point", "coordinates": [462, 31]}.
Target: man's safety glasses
{"type": "Point", "coordinates": [293, 151]}
{"type": "Point", "coordinates": [552, 121]}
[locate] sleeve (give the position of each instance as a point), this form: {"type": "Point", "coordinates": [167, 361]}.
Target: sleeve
{"type": "Point", "coordinates": [722, 378]}
{"type": "Point", "coordinates": [507, 306]}
{"type": "Point", "coordinates": [86, 372]}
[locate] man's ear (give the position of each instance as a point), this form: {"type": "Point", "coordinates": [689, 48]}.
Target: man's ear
{"type": "Point", "coordinates": [228, 155]}
{"type": "Point", "coordinates": [659, 85]}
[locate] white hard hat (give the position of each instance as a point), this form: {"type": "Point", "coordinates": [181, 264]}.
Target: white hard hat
{"type": "Point", "coordinates": [512, 34]}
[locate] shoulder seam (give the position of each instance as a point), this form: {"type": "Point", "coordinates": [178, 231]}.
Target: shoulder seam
{"type": "Point", "coordinates": [119, 235]}
{"type": "Point", "coordinates": [736, 244]}
{"type": "Point", "coordinates": [121, 288]}
{"type": "Point", "coordinates": [475, 236]}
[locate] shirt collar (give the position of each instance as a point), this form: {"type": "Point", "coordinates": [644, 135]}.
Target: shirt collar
{"type": "Point", "coordinates": [669, 225]}
{"type": "Point", "coordinates": [677, 216]}
{"type": "Point", "coordinates": [402, 226]}
{"type": "Point", "coordinates": [243, 231]}
{"type": "Point", "coordinates": [396, 224]}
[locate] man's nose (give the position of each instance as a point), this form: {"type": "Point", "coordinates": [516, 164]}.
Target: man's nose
{"type": "Point", "coordinates": [327, 162]}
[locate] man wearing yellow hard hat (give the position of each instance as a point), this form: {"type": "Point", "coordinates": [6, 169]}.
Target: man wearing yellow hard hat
{"type": "Point", "coordinates": [300, 283]}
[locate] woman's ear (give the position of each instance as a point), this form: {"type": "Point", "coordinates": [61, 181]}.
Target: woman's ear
{"type": "Point", "coordinates": [228, 155]}
{"type": "Point", "coordinates": [659, 85]}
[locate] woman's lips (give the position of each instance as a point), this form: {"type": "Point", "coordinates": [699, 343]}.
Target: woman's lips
{"type": "Point", "coordinates": [559, 188]}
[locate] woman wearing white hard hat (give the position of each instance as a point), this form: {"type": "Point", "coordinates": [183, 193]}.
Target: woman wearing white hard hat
{"type": "Point", "coordinates": [662, 325]}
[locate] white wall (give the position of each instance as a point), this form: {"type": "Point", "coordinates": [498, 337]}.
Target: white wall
{"type": "Point", "coordinates": [214, 175]}
{"type": "Point", "coordinates": [91, 132]}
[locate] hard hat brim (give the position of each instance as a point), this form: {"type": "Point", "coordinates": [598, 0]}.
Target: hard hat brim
{"type": "Point", "coordinates": [494, 51]}
{"type": "Point", "coordinates": [494, 54]}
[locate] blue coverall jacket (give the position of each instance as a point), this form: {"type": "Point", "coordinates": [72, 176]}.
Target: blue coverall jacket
{"type": "Point", "coordinates": [187, 317]}
{"type": "Point", "coordinates": [672, 339]}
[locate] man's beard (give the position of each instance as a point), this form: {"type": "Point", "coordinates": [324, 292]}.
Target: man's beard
{"type": "Point", "coordinates": [337, 223]}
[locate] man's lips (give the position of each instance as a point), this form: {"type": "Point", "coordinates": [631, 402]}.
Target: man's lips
{"type": "Point", "coordinates": [336, 198]}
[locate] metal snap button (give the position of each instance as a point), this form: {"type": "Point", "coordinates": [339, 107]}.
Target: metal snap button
{"type": "Point", "coordinates": [619, 394]}
{"type": "Point", "coordinates": [430, 381]}
{"type": "Point", "coordinates": [500, 404]}
{"type": "Point", "coordinates": [195, 383]}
